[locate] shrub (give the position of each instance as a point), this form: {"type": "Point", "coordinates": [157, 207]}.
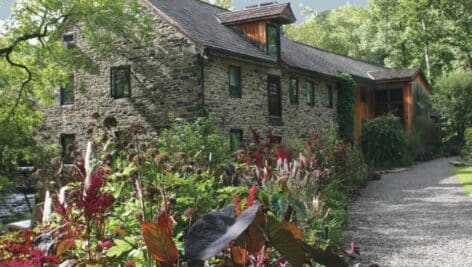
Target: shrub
{"type": "Point", "coordinates": [135, 203]}
{"type": "Point", "coordinates": [345, 107]}
{"type": "Point", "coordinates": [430, 135]}
{"type": "Point", "coordinates": [384, 142]}
{"type": "Point", "coordinates": [452, 97]}
{"type": "Point", "coordinates": [467, 151]}
{"type": "Point", "coordinates": [199, 141]}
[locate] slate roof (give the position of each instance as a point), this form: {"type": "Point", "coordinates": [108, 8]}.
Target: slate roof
{"type": "Point", "coordinates": [393, 74]}
{"type": "Point", "coordinates": [198, 20]}
{"type": "Point", "coordinates": [275, 11]}
{"type": "Point", "coordinates": [311, 58]}
{"type": "Point", "coordinates": [201, 23]}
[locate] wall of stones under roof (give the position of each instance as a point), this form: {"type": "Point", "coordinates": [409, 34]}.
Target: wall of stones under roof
{"type": "Point", "coordinates": [165, 86]}
{"type": "Point", "coordinates": [251, 110]}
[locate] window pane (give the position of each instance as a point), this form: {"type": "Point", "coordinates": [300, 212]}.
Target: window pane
{"type": "Point", "coordinates": [236, 137]}
{"type": "Point", "coordinates": [396, 95]}
{"type": "Point", "coordinates": [310, 93]}
{"type": "Point", "coordinates": [293, 91]}
{"type": "Point", "coordinates": [272, 41]}
{"type": "Point", "coordinates": [235, 81]}
{"type": "Point", "coordinates": [67, 93]}
{"type": "Point", "coordinates": [363, 95]}
{"type": "Point", "coordinates": [67, 140]}
{"type": "Point", "coordinates": [120, 84]}
{"type": "Point", "coordinates": [329, 97]}
{"type": "Point", "coordinates": [273, 85]}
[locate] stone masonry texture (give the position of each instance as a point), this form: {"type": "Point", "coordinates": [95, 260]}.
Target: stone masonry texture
{"type": "Point", "coordinates": [166, 84]}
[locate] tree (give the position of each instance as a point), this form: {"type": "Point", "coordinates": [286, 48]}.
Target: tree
{"type": "Point", "coordinates": [338, 30]}
{"type": "Point", "coordinates": [452, 98]}
{"type": "Point", "coordinates": [431, 34]}
{"type": "Point", "coordinates": [35, 63]}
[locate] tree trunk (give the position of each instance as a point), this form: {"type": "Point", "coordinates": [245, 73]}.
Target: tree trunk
{"type": "Point", "coordinates": [426, 51]}
{"type": "Point", "coordinates": [404, 56]}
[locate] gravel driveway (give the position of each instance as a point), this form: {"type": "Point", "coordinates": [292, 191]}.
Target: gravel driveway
{"type": "Point", "coordinates": [421, 217]}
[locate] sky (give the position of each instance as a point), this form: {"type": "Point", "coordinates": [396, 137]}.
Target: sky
{"type": "Point", "coordinates": [297, 5]}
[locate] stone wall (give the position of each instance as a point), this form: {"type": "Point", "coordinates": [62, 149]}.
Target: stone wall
{"type": "Point", "coordinates": [251, 110]}
{"type": "Point", "coordinates": [165, 85]}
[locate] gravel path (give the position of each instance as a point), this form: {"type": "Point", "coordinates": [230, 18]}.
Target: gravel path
{"type": "Point", "coordinates": [421, 217]}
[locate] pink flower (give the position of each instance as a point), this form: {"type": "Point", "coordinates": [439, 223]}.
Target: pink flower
{"type": "Point", "coordinates": [105, 244]}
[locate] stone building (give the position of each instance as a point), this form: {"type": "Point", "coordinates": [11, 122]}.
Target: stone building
{"type": "Point", "coordinates": [236, 66]}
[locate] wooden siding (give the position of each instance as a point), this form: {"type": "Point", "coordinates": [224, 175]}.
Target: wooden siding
{"type": "Point", "coordinates": [256, 31]}
{"type": "Point", "coordinates": [408, 107]}
{"type": "Point", "coordinates": [363, 110]}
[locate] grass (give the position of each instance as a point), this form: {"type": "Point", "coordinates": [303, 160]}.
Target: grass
{"type": "Point", "coordinates": [464, 174]}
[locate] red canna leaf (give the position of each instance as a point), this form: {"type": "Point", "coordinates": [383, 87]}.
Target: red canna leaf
{"type": "Point", "coordinates": [287, 239]}
{"type": "Point", "coordinates": [239, 256]}
{"type": "Point", "coordinates": [64, 246]}
{"type": "Point", "coordinates": [164, 221]}
{"type": "Point", "coordinates": [159, 242]}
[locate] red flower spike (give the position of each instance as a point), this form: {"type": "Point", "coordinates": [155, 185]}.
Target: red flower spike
{"type": "Point", "coordinates": [94, 201]}
{"type": "Point", "coordinates": [283, 154]}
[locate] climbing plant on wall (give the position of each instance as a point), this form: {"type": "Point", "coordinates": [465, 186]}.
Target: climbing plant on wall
{"type": "Point", "coordinates": [345, 106]}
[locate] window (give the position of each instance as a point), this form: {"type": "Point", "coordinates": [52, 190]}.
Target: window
{"type": "Point", "coordinates": [329, 96]}
{"type": "Point", "coordinates": [310, 93]}
{"type": "Point", "coordinates": [389, 101]}
{"type": "Point", "coordinates": [120, 82]}
{"type": "Point", "coordinates": [68, 40]}
{"type": "Point", "coordinates": [67, 140]}
{"type": "Point", "coordinates": [273, 41]}
{"type": "Point", "coordinates": [293, 91]}
{"type": "Point", "coordinates": [236, 138]}
{"type": "Point", "coordinates": [275, 101]}
{"type": "Point", "coordinates": [67, 93]}
{"type": "Point", "coordinates": [235, 81]}
{"type": "Point", "coordinates": [363, 95]}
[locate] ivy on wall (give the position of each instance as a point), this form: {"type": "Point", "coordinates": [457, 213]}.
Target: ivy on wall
{"type": "Point", "coordinates": [345, 107]}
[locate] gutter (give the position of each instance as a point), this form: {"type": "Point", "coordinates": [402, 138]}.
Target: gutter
{"type": "Point", "coordinates": [239, 55]}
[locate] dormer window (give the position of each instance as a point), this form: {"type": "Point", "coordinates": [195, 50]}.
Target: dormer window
{"type": "Point", "coordinates": [261, 24]}
{"type": "Point", "coordinates": [273, 41]}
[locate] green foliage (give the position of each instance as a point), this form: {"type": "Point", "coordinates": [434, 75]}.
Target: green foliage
{"type": "Point", "coordinates": [339, 30]}
{"type": "Point", "coordinates": [199, 141]}
{"type": "Point", "coordinates": [467, 150]}
{"type": "Point", "coordinates": [345, 107]}
{"type": "Point", "coordinates": [464, 174]}
{"type": "Point", "coordinates": [35, 63]}
{"type": "Point", "coordinates": [399, 33]}
{"type": "Point", "coordinates": [452, 97]}
{"type": "Point", "coordinates": [384, 142]}
{"type": "Point", "coordinates": [429, 135]}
